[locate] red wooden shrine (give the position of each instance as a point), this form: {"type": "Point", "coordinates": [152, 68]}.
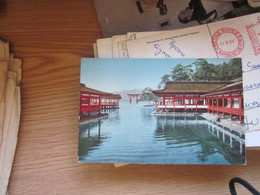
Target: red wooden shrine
{"type": "Point", "coordinates": [222, 98]}
{"type": "Point", "coordinates": [93, 100]}
{"type": "Point", "coordinates": [110, 102]}
{"type": "Point", "coordinates": [184, 103]}
{"type": "Point", "coordinates": [227, 101]}
{"type": "Point", "coordinates": [90, 100]}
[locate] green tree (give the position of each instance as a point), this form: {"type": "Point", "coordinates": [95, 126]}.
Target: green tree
{"type": "Point", "coordinates": [164, 79]}
{"type": "Point", "coordinates": [205, 70]}
{"type": "Point", "coordinates": [232, 69]}
{"type": "Point", "coordinates": [182, 73]}
{"type": "Point", "coordinates": [147, 95]}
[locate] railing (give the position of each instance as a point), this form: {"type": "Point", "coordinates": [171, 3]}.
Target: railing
{"type": "Point", "coordinates": [87, 108]}
{"type": "Point", "coordinates": [187, 106]}
{"type": "Point", "coordinates": [228, 110]}
{"type": "Point", "coordinates": [109, 103]}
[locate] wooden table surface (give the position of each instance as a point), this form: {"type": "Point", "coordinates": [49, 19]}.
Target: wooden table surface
{"type": "Point", "coordinates": [51, 36]}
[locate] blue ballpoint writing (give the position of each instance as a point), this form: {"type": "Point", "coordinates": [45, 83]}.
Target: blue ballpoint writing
{"type": "Point", "coordinates": [249, 123]}
{"type": "Point", "coordinates": [253, 66]}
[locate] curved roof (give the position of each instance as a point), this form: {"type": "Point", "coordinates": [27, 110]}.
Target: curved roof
{"type": "Point", "coordinates": [83, 88]}
{"type": "Point", "coordinates": [113, 96]}
{"type": "Point", "coordinates": [190, 87]}
{"type": "Point", "coordinates": [227, 89]}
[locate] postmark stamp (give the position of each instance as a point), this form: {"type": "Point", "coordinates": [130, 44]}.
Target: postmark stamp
{"type": "Point", "coordinates": [228, 42]}
{"type": "Point", "coordinates": [253, 31]}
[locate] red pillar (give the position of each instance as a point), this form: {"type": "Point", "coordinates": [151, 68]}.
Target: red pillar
{"type": "Point", "coordinates": [163, 100]}
{"type": "Point", "coordinates": [185, 104]}
{"type": "Point", "coordinates": [240, 107]}
{"type": "Point", "coordinates": [230, 99]}
{"type": "Point", "coordinates": [80, 106]}
{"type": "Point", "coordinates": [223, 106]}
{"type": "Point", "coordinates": [196, 104]}
{"type": "Point", "coordinates": [240, 103]}
{"type": "Point", "coordinates": [173, 103]}
{"type": "Point", "coordinates": [99, 104]}
{"type": "Point", "coordinates": [207, 103]}
{"type": "Point", "coordinates": [89, 104]}
{"type": "Point", "coordinates": [217, 105]}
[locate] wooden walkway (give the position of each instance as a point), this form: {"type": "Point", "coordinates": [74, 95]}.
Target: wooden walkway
{"type": "Point", "coordinates": [226, 122]}
{"type": "Point", "coordinates": [87, 119]}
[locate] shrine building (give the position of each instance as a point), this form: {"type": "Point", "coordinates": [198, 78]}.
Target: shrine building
{"type": "Point", "coordinates": [93, 100]}
{"type": "Point", "coordinates": [227, 100]}
{"type": "Point", "coordinates": [90, 100]}
{"type": "Point", "coordinates": [223, 98]}
{"type": "Point", "coordinates": [110, 101]}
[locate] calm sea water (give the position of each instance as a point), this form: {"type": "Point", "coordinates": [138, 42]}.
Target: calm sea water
{"type": "Point", "coordinates": [132, 134]}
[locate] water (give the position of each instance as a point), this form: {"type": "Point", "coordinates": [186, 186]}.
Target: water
{"type": "Point", "coordinates": [132, 134]}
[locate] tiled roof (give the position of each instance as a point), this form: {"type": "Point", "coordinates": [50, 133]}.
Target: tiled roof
{"type": "Point", "coordinates": [113, 96]}
{"type": "Point", "coordinates": [230, 88]}
{"type": "Point", "coordinates": [190, 87]}
{"type": "Point", "coordinates": [83, 88]}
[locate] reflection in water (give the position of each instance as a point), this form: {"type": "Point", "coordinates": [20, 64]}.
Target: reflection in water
{"type": "Point", "coordinates": [132, 134]}
{"type": "Point", "coordinates": [94, 139]}
{"type": "Point", "coordinates": [196, 132]}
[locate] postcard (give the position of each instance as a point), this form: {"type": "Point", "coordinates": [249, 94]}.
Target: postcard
{"type": "Point", "coordinates": [162, 111]}
{"type": "Point", "coordinates": [238, 37]}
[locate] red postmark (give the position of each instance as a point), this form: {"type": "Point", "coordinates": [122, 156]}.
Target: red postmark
{"type": "Point", "coordinates": [253, 31]}
{"type": "Point", "coordinates": [228, 42]}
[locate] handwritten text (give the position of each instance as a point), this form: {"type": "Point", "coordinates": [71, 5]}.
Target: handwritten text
{"type": "Point", "coordinates": [251, 86]}
{"type": "Point", "coordinates": [253, 66]}
{"type": "Point", "coordinates": [172, 45]}
{"type": "Point", "coordinates": [160, 51]}
{"type": "Point", "coordinates": [132, 37]}
{"type": "Point", "coordinates": [251, 105]}
{"type": "Point", "coordinates": [250, 122]}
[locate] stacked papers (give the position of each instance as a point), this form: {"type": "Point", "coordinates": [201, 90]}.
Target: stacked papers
{"type": "Point", "coordinates": [10, 109]}
{"type": "Point", "coordinates": [237, 37]}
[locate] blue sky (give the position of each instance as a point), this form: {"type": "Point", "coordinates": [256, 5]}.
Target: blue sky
{"type": "Point", "coordinates": [112, 75]}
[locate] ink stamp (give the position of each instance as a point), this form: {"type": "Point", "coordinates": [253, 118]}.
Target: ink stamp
{"type": "Point", "coordinates": [253, 31]}
{"type": "Point", "coordinates": [228, 42]}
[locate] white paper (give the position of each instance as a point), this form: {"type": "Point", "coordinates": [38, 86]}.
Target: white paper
{"type": "Point", "coordinates": [115, 41]}
{"type": "Point", "coordinates": [122, 49]}
{"type": "Point", "coordinates": [104, 48]}
{"type": "Point", "coordinates": [137, 35]}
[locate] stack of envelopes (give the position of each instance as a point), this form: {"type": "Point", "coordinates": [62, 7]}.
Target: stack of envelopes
{"type": "Point", "coordinates": [10, 109]}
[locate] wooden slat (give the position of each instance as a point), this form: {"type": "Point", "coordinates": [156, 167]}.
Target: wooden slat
{"type": "Point", "coordinates": [11, 140]}
{"type": "Point", "coordinates": [3, 74]}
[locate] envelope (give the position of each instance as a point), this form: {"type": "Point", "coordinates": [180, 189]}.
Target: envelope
{"type": "Point", "coordinates": [104, 48]}
{"type": "Point", "coordinates": [122, 50]}
{"type": "Point", "coordinates": [238, 37]}
{"type": "Point", "coordinates": [115, 41]}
